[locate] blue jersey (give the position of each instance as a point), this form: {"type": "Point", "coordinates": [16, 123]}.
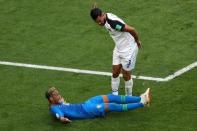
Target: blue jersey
{"type": "Point", "coordinates": [90, 109]}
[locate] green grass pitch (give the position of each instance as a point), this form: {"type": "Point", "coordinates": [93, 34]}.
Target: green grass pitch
{"type": "Point", "coordinates": [61, 33]}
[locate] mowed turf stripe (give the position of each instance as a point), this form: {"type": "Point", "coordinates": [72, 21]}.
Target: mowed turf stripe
{"type": "Point", "coordinates": [170, 77]}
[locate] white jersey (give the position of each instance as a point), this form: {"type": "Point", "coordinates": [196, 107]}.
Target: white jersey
{"type": "Point", "coordinates": [124, 41]}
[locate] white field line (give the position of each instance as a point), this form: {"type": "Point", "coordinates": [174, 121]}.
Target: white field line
{"type": "Point", "coordinates": [170, 77]}
{"type": "Point", "coordinates": [181, 71]}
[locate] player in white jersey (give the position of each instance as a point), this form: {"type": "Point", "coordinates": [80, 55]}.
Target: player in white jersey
{"type": "Point", "coordinates": [126, 47]}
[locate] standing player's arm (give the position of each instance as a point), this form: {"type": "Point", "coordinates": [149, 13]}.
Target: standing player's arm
{"type": "Point", "coordinates": [119, 26]}
{"type": "Point", "coordinates": [64, 120]}
{"type": "Point", "coordinates": [133, 32]}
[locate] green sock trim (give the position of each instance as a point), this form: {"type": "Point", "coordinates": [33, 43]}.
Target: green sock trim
{"type": "Point", "coordinates": [123, 99]}
{"type": "Point", "coordinates": [124, 107]}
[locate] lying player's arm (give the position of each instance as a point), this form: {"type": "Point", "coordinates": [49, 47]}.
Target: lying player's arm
{"type": "Point", "coordinates": [59, 114]}
{"type": "Point", "coordinates": [64, 120]}
{"type": "Point", "coordinates": [61, 100]}
{"type": "Point", "coordinates": [133, 32]}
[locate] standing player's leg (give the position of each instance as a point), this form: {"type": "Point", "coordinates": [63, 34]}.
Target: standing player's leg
{"type": "Point", "coordinates": [116, 69]}
{"type": "Point", "coordinates": [115, 79]}
{"type": "Point", "coordinates": [128, 82]}
{"type": "Point", "coordinates": [128, 64]}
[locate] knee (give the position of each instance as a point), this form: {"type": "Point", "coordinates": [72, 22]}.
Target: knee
{"type": "Point", "coordinates": [115, 75]}
{"type": "Point", "coordinates": [126, 77]}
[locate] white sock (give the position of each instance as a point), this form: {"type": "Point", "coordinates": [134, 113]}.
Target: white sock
{"type": "Point", "coordinates": [143, 99]}
{"type": "Point", "coordinates": [115, 85]}
{"type": "Point", "coordinates": [128, 87]}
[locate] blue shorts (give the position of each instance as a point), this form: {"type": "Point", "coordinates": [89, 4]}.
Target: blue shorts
{"type": "Point", "coordinates": [95, 106]}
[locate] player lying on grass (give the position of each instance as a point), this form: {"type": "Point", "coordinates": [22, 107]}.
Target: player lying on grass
{"type": "Point", "coordinates": [94, 107]}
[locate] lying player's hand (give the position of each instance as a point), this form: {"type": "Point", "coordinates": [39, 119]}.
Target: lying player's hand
{"type": "Point", "coordinates": [65, 120]}
{"type": "Point", "coordinates": [68, 121]}
{"type": "Point", "coordinates": [61, 100]}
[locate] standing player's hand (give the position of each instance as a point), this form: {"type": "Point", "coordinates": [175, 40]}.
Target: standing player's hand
{"type": "Point", "coordinates": [139, 44]}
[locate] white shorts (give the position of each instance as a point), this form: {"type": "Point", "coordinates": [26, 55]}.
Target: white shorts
{"type": "Point", "coordinates": [126, 59]}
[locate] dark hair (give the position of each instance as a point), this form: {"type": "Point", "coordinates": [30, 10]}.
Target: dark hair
{"type": "Point", "coordinates": [95, 12]}
{"type": "Point", "coordinates": [47, 95]}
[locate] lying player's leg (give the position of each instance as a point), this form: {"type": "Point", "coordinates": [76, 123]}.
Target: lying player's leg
{"type": "Point", "coordinates": [120, 99]}
{"type": "Point", "coordinates": [145, 99]}
{"type": "Point", "coordinates": [122, 107]}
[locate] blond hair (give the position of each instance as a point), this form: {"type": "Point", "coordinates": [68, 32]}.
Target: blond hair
{"type": "Point", "coordinates": [49, 92]}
